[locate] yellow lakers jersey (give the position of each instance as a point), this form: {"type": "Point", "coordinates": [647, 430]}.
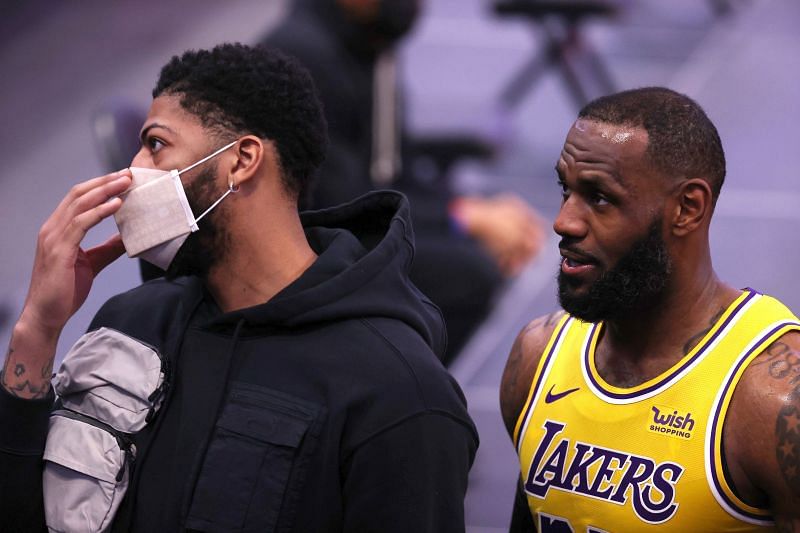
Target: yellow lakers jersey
{"type": "Point", "coordinates": [599, 458]}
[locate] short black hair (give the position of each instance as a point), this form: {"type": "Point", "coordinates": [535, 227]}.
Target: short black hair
{"type": "Point", "coordinates": [236, 89]}
{"type": "Point", "coordinates": [682, 140]}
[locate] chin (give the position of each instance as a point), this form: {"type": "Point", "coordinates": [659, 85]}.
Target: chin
{"type": "Point", "coordinates": [574, 286]}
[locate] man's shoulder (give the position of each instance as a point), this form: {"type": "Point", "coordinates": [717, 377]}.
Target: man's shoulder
{"type": "Point", "coordinates": [771, 380]}
{"type": "Point", "coordinates": [398, 375]}
{"type": "Point", "coordinates": [522, 363]}
{"type": "Point", "coordinates": [530, 344]}
{"type": "Point", "coordinates": [762, 426]}
{"type": "Point", "coordinates": [401, 356]}
{"type": "Point", "coordinates": [146, 307]}
{"type": "Point", "coordinates": [159, 288]}
{"type": "Point", "coordinates": [537, 333]}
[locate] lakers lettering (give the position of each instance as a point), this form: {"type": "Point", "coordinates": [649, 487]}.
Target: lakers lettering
{"type": "Point", "coordinates": [605, 474]}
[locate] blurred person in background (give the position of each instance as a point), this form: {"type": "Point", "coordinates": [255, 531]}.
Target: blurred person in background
{"type": "Point", "coordinates": [295, 381]}
{"type": "Point", "coordinates": [466, 245]}
{"type": "Point", "coordinates": [662, 397]}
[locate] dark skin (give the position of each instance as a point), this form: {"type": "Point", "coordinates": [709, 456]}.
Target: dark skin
{"type": "Point", "coordinates": [611, 195]}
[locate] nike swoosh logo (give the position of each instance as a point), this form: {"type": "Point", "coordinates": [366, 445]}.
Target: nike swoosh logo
{"type": "Point", "coordinates": [550, 398]}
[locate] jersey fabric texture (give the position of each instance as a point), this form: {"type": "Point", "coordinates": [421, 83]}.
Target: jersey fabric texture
{"type": "Point", "coordinates": [595, 457]}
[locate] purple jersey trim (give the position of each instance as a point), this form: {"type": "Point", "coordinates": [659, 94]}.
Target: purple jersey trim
{"type": "Point", "coordinates": [715, 419]}
{"type": "Point", "coordinates": [672, 373]}
{"type": "Point", "coordinates": [540, 379]}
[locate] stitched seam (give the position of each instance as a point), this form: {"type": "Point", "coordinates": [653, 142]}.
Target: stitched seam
{"type": "Point", "coordinates": [399, 356]}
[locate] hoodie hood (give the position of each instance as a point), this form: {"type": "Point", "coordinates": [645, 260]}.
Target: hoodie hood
{"type": "Point", "coordinates": [365, 249]}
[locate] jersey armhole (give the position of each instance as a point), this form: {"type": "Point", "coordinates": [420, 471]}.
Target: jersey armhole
{"type": "Point", "coordinates": [717, 472]}
{"type": "Point", "coordinates": [548, 355]}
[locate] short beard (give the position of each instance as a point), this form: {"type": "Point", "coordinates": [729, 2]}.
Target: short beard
{"type": "Point", "coordinates": [637, 282]}
{"type": "Point", "coordinates": [204, 248]}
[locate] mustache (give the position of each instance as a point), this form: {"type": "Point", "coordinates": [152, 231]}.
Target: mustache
{"type": "Point", "coordinates": [569, 249]}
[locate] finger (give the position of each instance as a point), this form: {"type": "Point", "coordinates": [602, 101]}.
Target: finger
{"type": "Point", "coordinates": [86, 186]}
{"type": "Point", "coordinates": [62, 213]}
{"type": "Point", "coordinates": [102, 193]}
{"type": "Point", "coordinates": [104, 254]}
{"type": "Point", "coordinates": [76, 229]}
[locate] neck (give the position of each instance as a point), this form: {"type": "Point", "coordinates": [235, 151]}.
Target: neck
{"type": "Point", "coordinates": [636, 349]}
{"type": "Point", "coordinates": [261, 261]}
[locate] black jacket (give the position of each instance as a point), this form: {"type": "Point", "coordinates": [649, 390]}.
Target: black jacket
{"type": "Point", "coordinates": [324, 409]}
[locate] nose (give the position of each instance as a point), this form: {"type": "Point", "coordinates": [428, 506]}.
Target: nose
{"type": "Point", "coordinates": [141, 159]}
{"type": "Point", "coordinates": [570, 221]}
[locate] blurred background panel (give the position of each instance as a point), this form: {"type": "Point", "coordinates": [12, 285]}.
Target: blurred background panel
{"type": "Point", "coordinates": [511, 72]}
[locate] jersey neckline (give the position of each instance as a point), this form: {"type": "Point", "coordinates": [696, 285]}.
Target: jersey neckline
{"type": "Point", "coordinates": [612, 394]}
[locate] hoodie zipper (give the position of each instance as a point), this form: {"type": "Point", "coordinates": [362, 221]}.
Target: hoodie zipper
{"type": "Point", "coordinates": [158, 396]}
{"type": "Point", "coordinates": [124, 440]}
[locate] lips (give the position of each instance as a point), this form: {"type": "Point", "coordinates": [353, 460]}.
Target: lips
{"type": "Point", "coordinates": [575, 263]}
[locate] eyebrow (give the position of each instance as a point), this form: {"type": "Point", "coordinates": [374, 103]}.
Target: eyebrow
{"type": "Point", "coordinates": [592, 179]}
{"type": "Point", "coordinates": [144, 132]}
{"type": "Point", "coordinates": [595, 179]}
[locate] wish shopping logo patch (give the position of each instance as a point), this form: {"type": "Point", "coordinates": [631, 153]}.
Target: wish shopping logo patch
{"type": "Point", "coordinates": [672, 422]}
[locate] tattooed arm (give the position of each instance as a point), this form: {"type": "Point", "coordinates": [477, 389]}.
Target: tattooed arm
{"type": "Point", "coordinates": [28, 376]}
{"type": "Point", "coordinates": [762, 432]}
{"type": "Point", "coordinates": [60, 282]}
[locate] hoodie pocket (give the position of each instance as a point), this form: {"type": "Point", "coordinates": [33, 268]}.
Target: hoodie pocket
{"type": "Point", "coordinates": [256, 462]}
{"type": "Point", "coordinates": [83, 490]}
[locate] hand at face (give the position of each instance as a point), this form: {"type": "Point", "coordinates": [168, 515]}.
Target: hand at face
{"type": "Point", "coordinates": [62, 271]}
{"type": "Point", "coordinates": [510, 229]}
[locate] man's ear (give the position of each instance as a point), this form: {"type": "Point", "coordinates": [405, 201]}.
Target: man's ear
{"type": "Point", "coordinates": [249, 153]}
{"type": "Point", "coordinates": [693, 206]}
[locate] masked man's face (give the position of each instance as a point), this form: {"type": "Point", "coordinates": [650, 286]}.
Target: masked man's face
{"type": "Point", "coordinates": [174, 138]}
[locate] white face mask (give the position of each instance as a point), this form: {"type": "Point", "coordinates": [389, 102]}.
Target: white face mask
{"type": "Point", "coordinates": [155, 219]}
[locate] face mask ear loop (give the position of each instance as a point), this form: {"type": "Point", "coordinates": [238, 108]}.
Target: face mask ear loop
{"type": "Point", "coordinates": [190, 167]}
{"type": "Point", "coordinates": [231, 189]}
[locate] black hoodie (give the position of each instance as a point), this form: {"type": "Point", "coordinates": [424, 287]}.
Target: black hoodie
{"type": "Point", "coordinates": [323, 409]}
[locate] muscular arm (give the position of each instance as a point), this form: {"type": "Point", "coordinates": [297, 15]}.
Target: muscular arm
{"type": "Point", "coordinates": [514, 387]}
{"type": "Point", "coordinates": [762, 432]}
{"type": "Point", "coordinates": [521, 365]}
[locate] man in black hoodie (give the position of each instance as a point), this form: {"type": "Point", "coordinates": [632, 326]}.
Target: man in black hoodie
{"type": "Point", "coordinates": [305, 392]}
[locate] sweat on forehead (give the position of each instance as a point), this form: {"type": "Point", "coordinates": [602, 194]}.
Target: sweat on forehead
{"type": "Point", "coordinates": [682, 140]}
{"type": "Point", "coordinates": [616, 133]}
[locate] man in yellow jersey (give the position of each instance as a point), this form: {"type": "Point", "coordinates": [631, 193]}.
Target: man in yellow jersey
{"type": "Point", "coordinates": [662, 397]}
